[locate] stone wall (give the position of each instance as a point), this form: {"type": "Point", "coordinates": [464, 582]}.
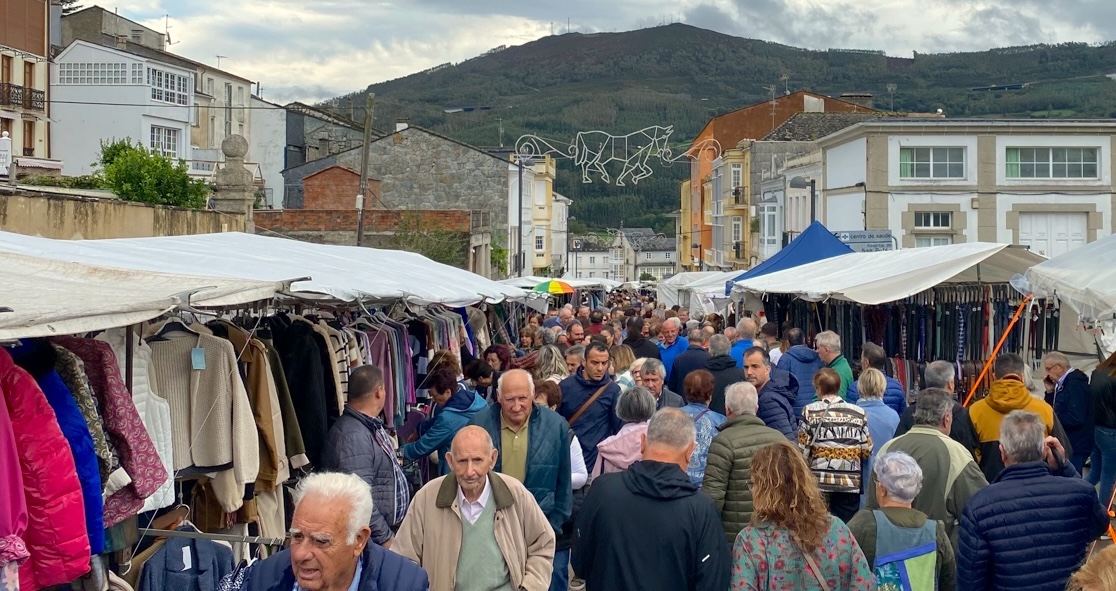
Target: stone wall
{"type": "Point", "coordinates": [424, 171]}
{"type": "Point", "coordinates": [41, 213]}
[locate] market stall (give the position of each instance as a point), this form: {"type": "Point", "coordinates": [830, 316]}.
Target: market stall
{"type": "Point", "coordinates": [672, 290]}
{"type": "Point", "coordinates": [923, 304]}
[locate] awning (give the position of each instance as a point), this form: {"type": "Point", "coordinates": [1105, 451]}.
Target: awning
{"type": "Point", "coordinates": [878, 277]}
{"type": "Point", "coordinates": [530, 282]}
{"type": "Point", "coordinates": [815, 243]}
{"type": "Point", "coordinates": [1085, 278]}
{"type": "Point", "coordinates": [669, 290]}
{"type": "Point", "coordinates": [345, 273]}
{"type": "Point", "coordinates": [51, 297]}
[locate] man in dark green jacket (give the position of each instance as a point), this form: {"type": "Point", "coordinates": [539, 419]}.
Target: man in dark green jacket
{"type": "Point", "coordinates": [828, 344]}
{"type": "Point", "coordinates": [728, 468]}
{"type": "Point", "coordinates": [534, 446]}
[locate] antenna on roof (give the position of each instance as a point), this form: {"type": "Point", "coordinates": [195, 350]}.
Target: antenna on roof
{"type": "Point", "coordinates": [166, 30]}
{"type": "Point", "coordinates": [786, 85]}
{"type": "Point", "coordinates": [771, 89]}
{"type": "Point", "coordinates": [891, 90]}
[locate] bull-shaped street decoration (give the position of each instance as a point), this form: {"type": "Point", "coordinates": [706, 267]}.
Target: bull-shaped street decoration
{"type": "Point", "coordinates": [594, 151]}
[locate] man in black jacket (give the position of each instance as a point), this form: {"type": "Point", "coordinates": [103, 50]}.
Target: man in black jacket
{"type": "Point", "coordinates": [641, 346]}
{"type": "Point", "coordinates": [649, 527]}
{"type": "Point", "coordinates": [357, 444]}
{"type": "Point", "coordinates": [1067, 390]}
{"type": "Point", "coordinates": [724, 369]}
{"type": "Point", "coordinates": [940, 374]}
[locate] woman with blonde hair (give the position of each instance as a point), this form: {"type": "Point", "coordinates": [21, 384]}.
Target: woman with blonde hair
{"type": "Point", "coordinates": [622, 358]}
{"type": "Point", "coordinates": [550, 365]}
{"type": "Point", "coordinates": [793, 543]}
{"type": "Point", "coordinates": [1097, 574]}
{"type": "Point", "coordinates": [882, 419]}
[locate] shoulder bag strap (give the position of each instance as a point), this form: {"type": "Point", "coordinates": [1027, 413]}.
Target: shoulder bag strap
{"type": "Point", "coordinates": [585, 407]}
{"type": "Point", "coordinates": [700, 414]}
{"type": "Point", "coordinates": [816, 570]}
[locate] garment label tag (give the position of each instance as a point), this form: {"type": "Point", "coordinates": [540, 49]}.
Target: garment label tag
{"type": "Point", "coordinates": [187, 560]}
{"type": "Point", "coordinates": [197, 358]}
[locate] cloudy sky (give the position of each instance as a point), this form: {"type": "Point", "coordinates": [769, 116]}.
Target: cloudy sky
{"type": "Point", "coordinates": [316, 49]}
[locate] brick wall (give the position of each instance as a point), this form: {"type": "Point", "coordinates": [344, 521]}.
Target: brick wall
{"type": "Point", "coordinates": [336, 188]}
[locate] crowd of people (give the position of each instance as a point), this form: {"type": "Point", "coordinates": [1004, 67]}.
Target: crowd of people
{"type": "Point", "coordinates": [635, 447]}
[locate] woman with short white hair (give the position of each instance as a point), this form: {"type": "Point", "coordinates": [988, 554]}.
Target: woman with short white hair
{"type": "Point", "coordinates": [892, 535]}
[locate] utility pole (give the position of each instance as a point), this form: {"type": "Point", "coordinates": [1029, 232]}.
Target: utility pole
{"type": "Point", "coordinates": [364, 168]}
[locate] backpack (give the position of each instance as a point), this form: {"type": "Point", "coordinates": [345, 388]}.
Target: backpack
{"type": "Point", "coordinates": [906, 558]}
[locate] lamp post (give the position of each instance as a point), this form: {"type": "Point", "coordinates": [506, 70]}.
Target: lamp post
{"type": "Point", "coordinates": [801, 183]}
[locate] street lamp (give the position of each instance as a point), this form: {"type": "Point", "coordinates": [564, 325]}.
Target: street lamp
{"type": "Point", "coordinates": [801, 183]}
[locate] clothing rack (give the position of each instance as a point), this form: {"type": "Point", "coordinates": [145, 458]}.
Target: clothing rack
{"type": "Point", "coordinates": [173, 533]}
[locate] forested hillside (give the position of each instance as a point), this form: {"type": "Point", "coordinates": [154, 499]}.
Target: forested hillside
{"type": "Point", "coordinates": [680, 75]}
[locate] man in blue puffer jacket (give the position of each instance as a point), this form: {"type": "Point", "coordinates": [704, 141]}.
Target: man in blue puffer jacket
{"type": "Point", "coordinates": [1031, 528]}
{"type": "Point", "coordinates": [777, 392]}
{"type": "Point", "coordinates": [324, 503]}
{"type": "Point", "coordinates": [894, 396]}
{"type": "Point", "coordinates": [803, 362]}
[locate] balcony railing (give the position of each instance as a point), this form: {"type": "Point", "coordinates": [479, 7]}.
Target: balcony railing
{"type": "Point", "coordinates": [13, 95]}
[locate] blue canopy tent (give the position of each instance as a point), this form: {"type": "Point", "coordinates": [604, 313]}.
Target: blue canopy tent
{"type": "Point", "coordinates": [815, 243]}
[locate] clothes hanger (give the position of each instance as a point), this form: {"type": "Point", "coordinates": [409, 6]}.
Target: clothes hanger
{"type": "Point", "coordinates": [172, 324]}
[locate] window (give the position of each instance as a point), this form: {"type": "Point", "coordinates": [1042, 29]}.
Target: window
{"type": "Point", "coordinates": [137, 73]}
{"type": "Point", "coordinates": [591, 274]}
{"type": "Point", "coordinates": [164, 141]}
{"type": "Point", "coordinates": [28, 138]}
{"type": "Point", "coordinates": [167, 87]}
{"type": "Point", "coordinates": [137, 35]}
{"type": "Point", "coordinates": [666, 255]}
{"type": "Point", "coordinates": [648, 257]}
{"type": "Point", "coordinates": [737, 175]}
{"type": "Point", "coordinates": [209, 86]}
{"type": "Point", "coordinates": [89, 73]}
{"type": "Point", "coordinates": [928, 219]}
{"type": "Point", "coordinates": [5, 68]}
{"type": "Point", "coordinates": [924, 241]}
{"type": "Point", "coordinates": [592, 260]}
{"type": "Point", "coordinates": [240, 129]}
{"type": "Point", "coordinates": [6, 125]}
{"type": "Point", "coordinates": [240, 95]}
{"type": "Point", "coordinates": [737, 229]}
{"type": "Point", "coordinates": [539, 243]}
{"type": "Point", "coordinates": [932, 163]}
{"type": "Point", "coordinates": [1051, 163]}
{"type": "Point", "coordinates": [28, 74]}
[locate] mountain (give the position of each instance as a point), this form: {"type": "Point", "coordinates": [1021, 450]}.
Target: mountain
{"type": "Point", "coordinates": [681, 75]}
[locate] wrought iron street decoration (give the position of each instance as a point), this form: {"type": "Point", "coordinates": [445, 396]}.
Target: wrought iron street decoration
{"type": "Point", "coordinates": [594, 151]}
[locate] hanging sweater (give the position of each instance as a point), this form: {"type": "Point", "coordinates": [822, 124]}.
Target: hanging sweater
{"type": "Point", "coordinates": [212, 418]}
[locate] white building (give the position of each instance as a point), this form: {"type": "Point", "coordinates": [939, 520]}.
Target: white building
{"type": "Point", "coordinates": [534, 206]}
{"type": "Point", "coordinates": [591, 258]}
{"type": "Point", "coordinates": [95, 89]}
{"type": "Point", "coordinates": [1046, 184]}
{"type": "Point", "coordinates": [797, 208]}
{"type": "Point", "coordinates": [268, 147]}
{"type": "Point", "coordinates": [560, 235]}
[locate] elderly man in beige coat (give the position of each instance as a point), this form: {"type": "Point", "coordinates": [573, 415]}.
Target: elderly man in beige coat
{"type": "Point", "coordinates": [485, 530]}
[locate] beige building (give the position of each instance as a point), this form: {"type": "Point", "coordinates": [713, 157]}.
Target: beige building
{"type": "Point", "coordinates": [24, 81]}
{"type": "Point", "coordinates": [1045, 184]}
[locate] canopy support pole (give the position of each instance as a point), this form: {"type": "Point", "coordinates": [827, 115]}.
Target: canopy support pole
{"type": "Point", "coordinates": [999, 344]}
{"type": "Point", "coordinates": [129, 357]}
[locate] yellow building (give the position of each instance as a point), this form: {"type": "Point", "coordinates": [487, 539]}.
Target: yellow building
{"type": "Point", "coordinates": [24, 80]}
{"type": "Point", "coordinates": [685, 230]}
{"type": "Point", "coordinates": [736, 164]}
{"type": "Point", "coordinates": [541, 178]}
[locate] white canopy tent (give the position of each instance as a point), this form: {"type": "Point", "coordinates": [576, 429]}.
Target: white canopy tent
{"type": "Point", "coordinates": [345, 273]}
{"type": "Point", "coordinates": [879, 277]}
{"type": "Point", "coordinates": [1085, 280]}
{"type": "Point", "coordinates": [528, 283]}
{"type": "Point", "coordinates": [50, 297]}
{"type": "Point", "coordinates": [672, 290]}
{"type": "Point", "coordinates": [707, 294]}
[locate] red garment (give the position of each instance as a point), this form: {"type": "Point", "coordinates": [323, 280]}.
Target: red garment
{"type": "Point", "coordinates": [13, 505]}
{"type": "Point", "coordinates": [56, 536]}
{"type": "Point", "coordinates": [123, 426]}
{"type": "Point", "coordinates": [595, 328]}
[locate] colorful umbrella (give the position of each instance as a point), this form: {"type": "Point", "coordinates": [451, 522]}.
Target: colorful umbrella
{"type": "Point", "coordinates": [555, 287]}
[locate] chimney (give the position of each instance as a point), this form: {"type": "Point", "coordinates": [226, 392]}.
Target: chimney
{"type": "Point", "coordinates": [122, 42]}
{"type": "Point", "coordinates": [401, 124]}
{"type": "Point", "coordinates": [863, 99]}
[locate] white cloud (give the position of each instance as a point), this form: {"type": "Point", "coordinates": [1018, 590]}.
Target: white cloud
{"type": "Point", "coordinates": [315, 50]}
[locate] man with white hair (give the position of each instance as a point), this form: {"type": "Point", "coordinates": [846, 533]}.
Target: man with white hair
{"type": "Point", "coordinates": [673, 343]}
{"type": "Point", "coordinates": [1067, 390]}
{"type": "Point", "coordinates": [952, 475]}
{"type": "Point", "coordinates": [897, 536]}
{"type": "Point", "coordinates": [724, 369]}
{"type": "Point", "coordinates": [728, 468]}
{"type": "Point", "coordinates": [941, 374]}
{"type": "Point", "coordinates": [652, 375]}
{"type": "Point", "coordinates": [330, 549]}
{"type": "Point", "coordinates": [1032, 527]}
{"type": "Point", "coordinates": [475, 529]}
{"type": "Point", "coordinates": [828, 345]}
{"type": "Point", "coordinates": [745, 339]}
{"type": "Point", "coordinates": [649, 527]}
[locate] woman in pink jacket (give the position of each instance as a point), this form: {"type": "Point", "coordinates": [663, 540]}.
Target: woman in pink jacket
{"type": "Point", "coordinates": [614, 454]}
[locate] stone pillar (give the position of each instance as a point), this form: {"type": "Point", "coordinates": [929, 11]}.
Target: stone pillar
{"type": "Point", "coordinates": [234, 190]}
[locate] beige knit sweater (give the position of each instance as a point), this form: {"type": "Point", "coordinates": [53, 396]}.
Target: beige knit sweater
{"type": "Point", "coordinates": [210, 412]}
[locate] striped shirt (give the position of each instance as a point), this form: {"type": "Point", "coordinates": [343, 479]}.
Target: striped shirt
{"type": "Point", "coordinates": [834, 436]}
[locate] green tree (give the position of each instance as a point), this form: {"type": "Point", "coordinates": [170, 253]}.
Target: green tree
{"type": "Point", "coordinates": [646, 277]}
{"type": "Point", "coordinates": [442, 246]}
{"type": "Point", "coordinates": [135, 174]}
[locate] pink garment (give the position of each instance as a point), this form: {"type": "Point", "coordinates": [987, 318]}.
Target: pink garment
{"type": "Point", "coordinates": [616, 453]}
{"type": "Point", "coordinates": [56, 537]}
{"type": "Point", "coordinates": [13, 505]}
{"type": "Point", "coordinates": [124, 427]}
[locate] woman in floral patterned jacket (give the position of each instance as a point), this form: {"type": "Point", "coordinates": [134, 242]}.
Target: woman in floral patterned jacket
{"type": "Point", "coordinates": [793, 542]}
